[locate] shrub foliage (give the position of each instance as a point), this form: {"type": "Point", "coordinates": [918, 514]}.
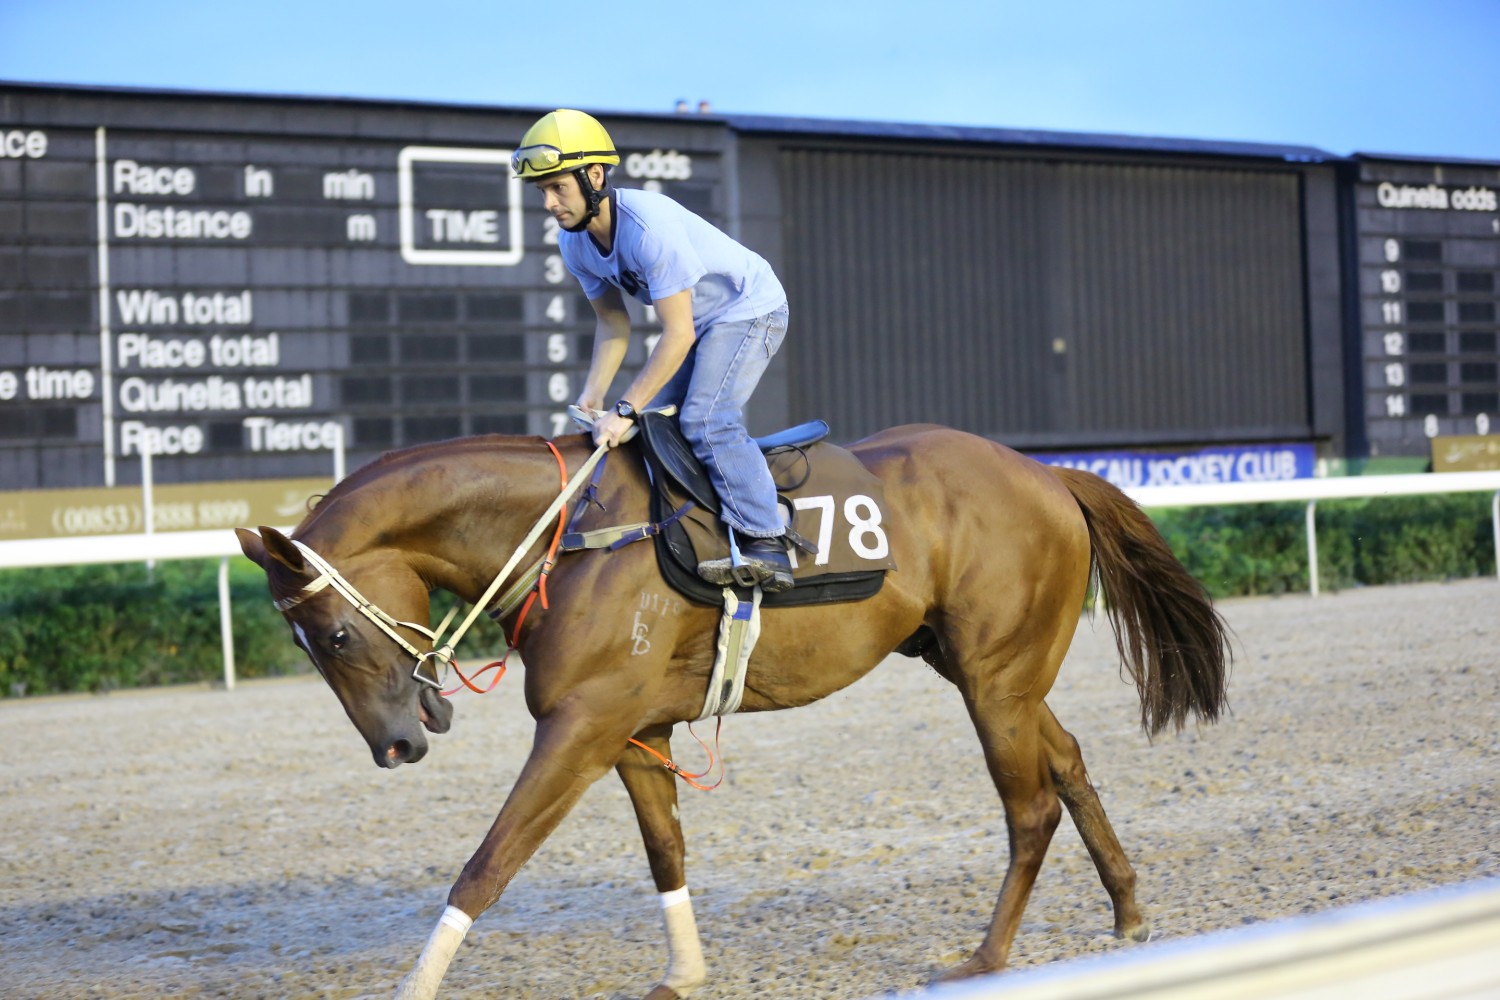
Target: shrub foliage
{"type": "Point", "coordinates": [1262, 548]}
{"type": "Point", "coordinates": [97, 628]}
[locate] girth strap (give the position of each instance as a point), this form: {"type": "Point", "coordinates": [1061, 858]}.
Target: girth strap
{"type": "Point", "coordinates": [739, 629]}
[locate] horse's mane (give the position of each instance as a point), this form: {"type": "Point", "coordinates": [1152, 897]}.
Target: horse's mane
{"type": "Point", "coordinates": [399, 459]}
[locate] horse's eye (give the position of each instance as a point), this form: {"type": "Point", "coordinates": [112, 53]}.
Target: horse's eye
{"type": "Point", "coordinates": [339, 639]}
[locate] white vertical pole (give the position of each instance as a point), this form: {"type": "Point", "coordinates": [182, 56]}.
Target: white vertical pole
{"type": "Point", "coordinates": [226, 624]}
{"type": "Point", "coordinates": [1312, 546]}
{"type": "Point", "coordinates": [338, 453]}
{"type": "Point", "coordinates": [106, 349]}
{"type": "Point", "coordinates": [1495, 517]}
{"type": "Point", "coordinates": [148, 513]}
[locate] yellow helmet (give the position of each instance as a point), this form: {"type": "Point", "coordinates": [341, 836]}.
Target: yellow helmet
{"type": "Point", "coordinates": [562, 140]}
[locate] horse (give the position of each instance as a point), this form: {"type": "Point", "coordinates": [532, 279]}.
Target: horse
{"type": "Point", "coordinates": [994, 553]}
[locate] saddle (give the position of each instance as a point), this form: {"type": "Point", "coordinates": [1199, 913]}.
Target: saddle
{"type": "Point", "coordinates": [830, 498]}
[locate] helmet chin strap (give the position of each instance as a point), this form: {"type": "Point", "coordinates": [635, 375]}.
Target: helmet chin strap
{"type": "Point", "coordinates": [591, 195]}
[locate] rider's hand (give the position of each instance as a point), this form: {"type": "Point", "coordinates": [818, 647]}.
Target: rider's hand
{"type": "Point", "coordinates": [610, 427]}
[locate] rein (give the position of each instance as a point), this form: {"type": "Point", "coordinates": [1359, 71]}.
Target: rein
{"type": "Point", "coordinates": [554, 509]}
{"type": "Point", "coordinates": [533, 588]}
{"type": "Point", "coordinates": [676, 768]}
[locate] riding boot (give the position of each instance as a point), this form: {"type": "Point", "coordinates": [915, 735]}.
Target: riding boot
{"type": "Point", "coordinates": [763, 561]}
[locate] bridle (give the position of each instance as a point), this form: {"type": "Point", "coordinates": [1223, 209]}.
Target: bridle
{"type": "Point", "coordinates": [330, 577]}
{"type": "Point", "coordinates": [442, 650]}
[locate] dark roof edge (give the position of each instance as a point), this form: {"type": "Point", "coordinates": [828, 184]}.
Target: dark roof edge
{"type": "Point", "coordinates": [1456, 161]}
{"type": "Point", "coordinates": [1024, 137]}
{"type": "Point", "coordinates": [211, 95]}
{"type": "Point", "coordinates": [182, 93]}
{"type": "Point", "coordinates": [770, 124]}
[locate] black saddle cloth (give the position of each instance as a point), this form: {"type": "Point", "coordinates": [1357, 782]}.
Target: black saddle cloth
{"type": "Point", "coordinates": [803, 464]}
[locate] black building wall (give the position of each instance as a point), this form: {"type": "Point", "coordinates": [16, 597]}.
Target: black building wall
{"type": "Point", "coordinates": [1059, 301]}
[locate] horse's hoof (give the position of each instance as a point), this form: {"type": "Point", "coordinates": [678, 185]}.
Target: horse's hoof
{"type": "Point", "coordinates": [968, 970]}
{"type": "Point", "coordinates": [662, 991]}
{"type": "Point", "coordinates": [1140, 933]}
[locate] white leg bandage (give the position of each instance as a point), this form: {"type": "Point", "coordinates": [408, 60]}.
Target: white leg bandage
{"type": "Point", "coordinates": [685, 968]}
{"type": "Point", "coordinates": [423, 980]}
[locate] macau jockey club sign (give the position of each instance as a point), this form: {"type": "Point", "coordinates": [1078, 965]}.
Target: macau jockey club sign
{"type": "Point", "coordinates": [1228, 464]}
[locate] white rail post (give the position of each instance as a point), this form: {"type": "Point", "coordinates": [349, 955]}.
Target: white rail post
{"type": "Point", "coordinates": [226, 624]}
{"type": "Point", "coordinates": [148, 514]}
{"type": "Point", "coordinates": [338, 453]}
{"type": "Point", "coordinates": [1495, 518]}
{"type": "Point", "coordinates": [1312, 546]}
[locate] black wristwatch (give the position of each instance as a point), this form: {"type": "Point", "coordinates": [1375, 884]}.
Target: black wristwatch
{"type": "Point", "coordinates": [624, 409]}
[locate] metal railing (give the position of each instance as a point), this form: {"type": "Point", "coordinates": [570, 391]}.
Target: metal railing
{"type": "Point", "coordinates": [222, 545]}
{"type": "Point", "coordinates": [1310, 491]}
{"type": "Point", "coordinates": [149, 546]}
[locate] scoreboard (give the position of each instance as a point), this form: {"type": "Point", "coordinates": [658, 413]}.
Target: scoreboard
{"type": "Point", "coordinates": [1429, 292]}
{"type": "Point", "coordinates": [241, 293]}
{"type": "Point", "coordinates": [245, 287]}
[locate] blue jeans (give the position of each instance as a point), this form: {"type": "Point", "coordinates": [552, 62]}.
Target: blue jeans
{"type": "Point", "coordinates": [710, 391]}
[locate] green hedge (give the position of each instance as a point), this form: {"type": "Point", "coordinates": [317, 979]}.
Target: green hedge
{"type": "Point", "coordinates": [1262, 548]}
{"type": "Point", "coordinates": [96, 628]}
{"type": "Point", "coordinates": [99, 628]}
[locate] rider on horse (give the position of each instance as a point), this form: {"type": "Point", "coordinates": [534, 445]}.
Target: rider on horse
{"type": "Point", "coordinates": [723, 314]}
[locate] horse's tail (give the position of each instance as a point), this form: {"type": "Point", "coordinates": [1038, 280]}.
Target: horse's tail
{"type": "Point", "coordinates": [1171, 639]}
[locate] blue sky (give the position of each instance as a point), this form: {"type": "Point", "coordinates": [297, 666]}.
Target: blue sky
{"type": "Point", "coordinates": [1419, 77]}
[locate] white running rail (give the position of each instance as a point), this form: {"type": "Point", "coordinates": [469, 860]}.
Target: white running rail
{"type": "Point", "coordinates": [1438, 943]}
{"type": "Point", "coordinates": [1310, 491]}
{"type": "Point", "coordinates": [221, 544]}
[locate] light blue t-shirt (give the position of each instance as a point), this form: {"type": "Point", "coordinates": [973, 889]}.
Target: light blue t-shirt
{"type": "Point", "coordinates": [661, 248]}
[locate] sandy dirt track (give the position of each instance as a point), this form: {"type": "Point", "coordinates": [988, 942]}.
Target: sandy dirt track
{"type": "Point", "coordinates": [204, 843]}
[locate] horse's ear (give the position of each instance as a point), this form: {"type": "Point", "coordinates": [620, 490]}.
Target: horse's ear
{"type": "Point", "coordinates": [252, 546]}
{"type": "Point", "coordinates": [274, 546]}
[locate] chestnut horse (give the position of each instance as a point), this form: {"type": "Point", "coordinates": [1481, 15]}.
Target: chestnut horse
{"type": "Point", "coordinates": [993, 551]}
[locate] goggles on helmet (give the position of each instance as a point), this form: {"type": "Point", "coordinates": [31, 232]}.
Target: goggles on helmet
{"type": "Point", "coordinates": [543, 159]}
